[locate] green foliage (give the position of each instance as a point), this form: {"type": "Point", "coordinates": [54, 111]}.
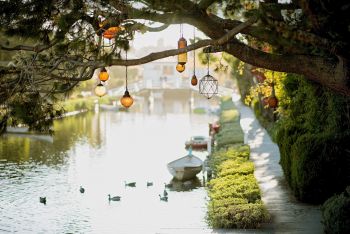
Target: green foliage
{"type": "Point", "coordinates": [336, 213]}
{"type": "Point", "coordinates": [31, 110]}
{"type": "Point", "coordinates": [313, 136]}
{"type": "Point", "coordinates": [235, 199]}
{"type": "Point", "coordinates": [231, 132]}
{"type": "Point", "coordinates": [199, 111]}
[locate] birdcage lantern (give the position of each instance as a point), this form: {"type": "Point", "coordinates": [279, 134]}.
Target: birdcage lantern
{"type": "Point", "coordinates": [208, 85]}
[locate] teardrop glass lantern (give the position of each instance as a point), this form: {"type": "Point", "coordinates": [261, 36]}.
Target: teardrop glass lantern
{"type": "Point", "coordinates": [194, 80]}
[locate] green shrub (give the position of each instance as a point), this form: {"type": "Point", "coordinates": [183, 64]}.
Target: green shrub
{"type": "Point", "coordinates": [229, 116]}
{"type": "Point", "coordinates": [336, 214]}
{"type": "Point", "coordinates": [229, 134]}
{"type": "Point", "coordinates": [235, 198]}
{"type": "Point", "coordinates": [313, 136]}
{"type": "Point", "coordinates": [227, 104]}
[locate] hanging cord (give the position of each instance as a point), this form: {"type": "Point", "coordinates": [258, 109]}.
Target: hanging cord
{"type": "Point", "coordinates": [126, 70]}
{"type": "Point", "coordinates": [181, 30]}
{"type": "Point", "coordinates": [194, 51]}
{"type": "Point", "coordinates": [208, 58]}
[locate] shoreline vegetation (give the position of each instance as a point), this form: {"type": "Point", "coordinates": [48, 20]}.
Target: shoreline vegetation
{"type": "Point", "coordinates": [235, 197]}
{"type": "Point", "coordinates": [84, 104]}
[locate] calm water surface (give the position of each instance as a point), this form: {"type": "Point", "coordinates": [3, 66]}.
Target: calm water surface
{"type": "Point", "coordinates": [100, 151]}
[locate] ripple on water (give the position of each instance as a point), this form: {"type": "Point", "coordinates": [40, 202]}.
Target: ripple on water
{"type": "Point", "coordinates": [100, 161]}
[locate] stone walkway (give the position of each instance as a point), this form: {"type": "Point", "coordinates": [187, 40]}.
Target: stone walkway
{"type": "Point", "coordinates": [288, 215]}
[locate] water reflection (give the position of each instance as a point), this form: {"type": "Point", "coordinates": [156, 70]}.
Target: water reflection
{"type": "Point", "coordinates": [181, 186]}
{"type": "Point", "coordinates": [100, 151]}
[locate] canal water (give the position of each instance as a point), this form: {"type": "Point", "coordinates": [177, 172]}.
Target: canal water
{"type": "Point", "coordinates": [100, 151]}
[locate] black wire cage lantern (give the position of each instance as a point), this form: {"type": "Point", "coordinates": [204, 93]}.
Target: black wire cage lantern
{"type": "Point", "coordinates": [208, 85]}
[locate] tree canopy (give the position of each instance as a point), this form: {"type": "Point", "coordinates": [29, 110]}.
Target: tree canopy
{"type": "Point", "coordinates": [49, 47]}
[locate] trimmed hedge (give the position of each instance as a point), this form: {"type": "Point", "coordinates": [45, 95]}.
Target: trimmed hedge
{"type": "Point", "coordinates": [235, 198]}
{"type": "Point", "coordinates": [313, 137]}
{"type": "Point", "coordinates": [336, 213]}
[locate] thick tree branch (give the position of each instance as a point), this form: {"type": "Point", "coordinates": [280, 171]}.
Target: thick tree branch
{"type": "Point", "coordinates": [37, 48]}
{"type": "Point", "coordinates": [204, 4]}
{"type": "Point", "coordinates": [329, 73]}
{"type": "Point", "coordinates": [144, 28]}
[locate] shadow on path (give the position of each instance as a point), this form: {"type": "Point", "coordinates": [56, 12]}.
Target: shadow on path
{"type": "Point", "coordinates": [288, 215]}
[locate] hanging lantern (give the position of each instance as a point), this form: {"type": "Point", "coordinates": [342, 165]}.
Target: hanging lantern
{"type": "Point", "coordinates": [126, 100]}
{"type": "Point", "coordinates": [182, 58]}
{"type": "Point", "coordinates": [103, 75]}
{"type": "Point", "coordinates": [180, 67]}
{"type": "Point", "coordinates": [100, 90]}
{"type": "Point", "coordinates": [194, 80]}
{"type": "Point", "coordinates": [111, 32]}
{"type": "Point", "coordinates": [272, 102]}
{"type": "Point", "coordinates": [208, 86]}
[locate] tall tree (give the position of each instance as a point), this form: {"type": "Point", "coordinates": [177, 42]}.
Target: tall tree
{"type": "Point", "coordinates": [48, 47]}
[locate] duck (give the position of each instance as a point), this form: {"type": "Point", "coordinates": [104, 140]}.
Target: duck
{"type": "Point", "coordinates": [82, 190]}
{"type": "Point", "coordinates": [163, 198]}
{"type": "Point", "coordinates": [116, 198]}
{"type": "Point", "coordinates": [130, 184]}
{"type": "Point", "coordinates": [165, 193]}
{"type": "Point", "coordinates": [149, 184]}
{"type": "Point", "coordinates": [42, 200]}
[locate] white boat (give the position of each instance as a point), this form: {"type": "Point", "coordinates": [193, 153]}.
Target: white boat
{"type": "Point", "coordinates": [185, 168]}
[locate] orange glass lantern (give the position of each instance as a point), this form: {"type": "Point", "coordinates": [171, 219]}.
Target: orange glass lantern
{"type": "Point", "coordinates": [126, 100]}
{"type": "Point", "coordinates": [272, 102]}
{"type": "Point", "coordinates": [182, 58]}
{"type": "Point", "coordinates": [111, 32]}
{"type": "Point", "coordinates": [194, 80]}
{"type": "Point", "coordinates": [180, 67]}
{"type": "Point", "coordinates": [103, 75]}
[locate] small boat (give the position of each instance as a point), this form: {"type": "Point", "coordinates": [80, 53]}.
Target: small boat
{"type": "Point", "coordinates": [185, 168]}
{"type": "Point", "coordinates": [197, 143]}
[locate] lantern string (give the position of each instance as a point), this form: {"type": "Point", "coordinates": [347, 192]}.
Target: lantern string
{"type": "Point", "coordinates": [194, 51]}
{"type": "Point", "coordinates": [126, 70]}
{"type": "Point", "coordinates": [208, 58]}
{"type": "Point", "coordinates": [181, 30]}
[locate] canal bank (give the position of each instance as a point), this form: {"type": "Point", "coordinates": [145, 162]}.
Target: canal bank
{"type": "Point", "coordinates": [288, 215]}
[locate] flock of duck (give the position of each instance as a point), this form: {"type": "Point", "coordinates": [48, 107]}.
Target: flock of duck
{"type": "Point", "coordinates": [163, 197]}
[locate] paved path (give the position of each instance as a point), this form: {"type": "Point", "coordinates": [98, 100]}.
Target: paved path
{"type": "Point", "coordinates": [288, 215]}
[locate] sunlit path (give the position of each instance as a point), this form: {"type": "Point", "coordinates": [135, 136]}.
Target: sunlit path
{"type": "Point", "coordinates": [288, 215]}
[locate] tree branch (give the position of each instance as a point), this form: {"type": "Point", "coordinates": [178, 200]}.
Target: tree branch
{"type": "Point", "coordinates": [37, 48]}
{"type": "Point", "coordinates": [204, 4]}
